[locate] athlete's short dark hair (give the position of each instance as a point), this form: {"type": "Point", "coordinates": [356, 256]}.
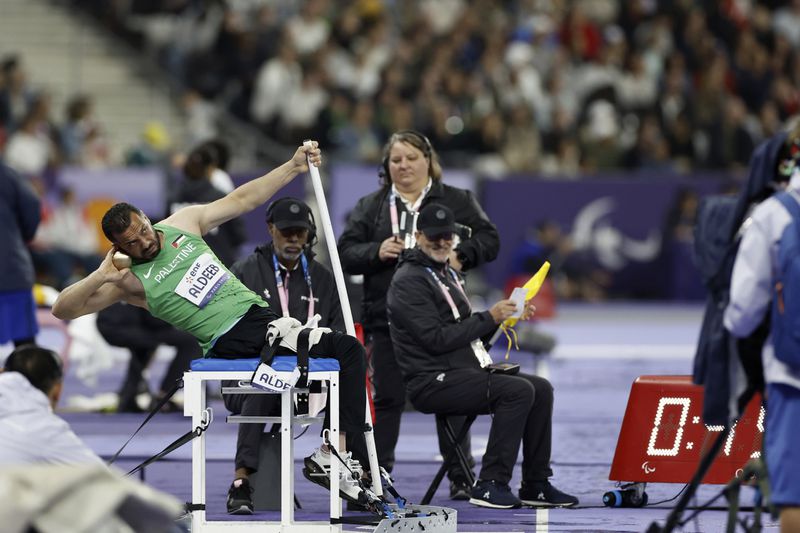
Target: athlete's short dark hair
{"type": "Point", "coordinates": [118, 218]}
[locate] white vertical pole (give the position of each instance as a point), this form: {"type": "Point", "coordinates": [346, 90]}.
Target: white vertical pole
{"type": "Point", "coordinates": [338, 275]}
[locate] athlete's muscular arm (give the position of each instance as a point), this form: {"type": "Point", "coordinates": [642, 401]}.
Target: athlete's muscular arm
{"type": "Point", "coordinates": [98, 290]}
{"type": "Point", "coordinates": [200, 219]}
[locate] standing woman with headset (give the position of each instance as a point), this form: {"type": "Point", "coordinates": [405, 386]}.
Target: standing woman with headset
{"type": "Point", "coordinates": [378, 229]}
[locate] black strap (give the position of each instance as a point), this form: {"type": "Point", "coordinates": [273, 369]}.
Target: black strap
{"type": "Point", "coordinates": [302, 357]}
{"type": "Point", "coordinates": [194, 507]}
{"type": "Point", "coordinates": [302, 365]}
{"type": "Point", "coordinates": [180, 441]}
{"type": "Point", "coordinates": [167, 397]}
{"type": "Point", "coordinates": [268, 351]}
{"type": "Point", "coordinates": [267, 354]}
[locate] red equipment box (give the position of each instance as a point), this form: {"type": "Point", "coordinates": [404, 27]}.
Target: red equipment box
{"type": "Point", "coordinates": [663, 436]}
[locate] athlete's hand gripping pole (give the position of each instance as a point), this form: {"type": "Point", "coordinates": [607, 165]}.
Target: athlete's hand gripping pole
{"type": "Point", "coordinates": [336, 266]}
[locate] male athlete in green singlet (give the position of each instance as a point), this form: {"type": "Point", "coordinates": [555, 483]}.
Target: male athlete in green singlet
{"type": "Point", "coordinates": [177, 277]}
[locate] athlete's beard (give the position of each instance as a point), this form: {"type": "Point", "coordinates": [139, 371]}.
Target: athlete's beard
{"type": "Point", "coordinates": [157, 248]}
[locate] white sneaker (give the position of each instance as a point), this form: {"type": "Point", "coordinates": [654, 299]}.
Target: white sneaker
{"type": "Point", "coordinates": [317, 470]}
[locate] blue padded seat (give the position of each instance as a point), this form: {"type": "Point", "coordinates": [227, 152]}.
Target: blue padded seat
{"type": "Point", "coordinates": [281, 363]}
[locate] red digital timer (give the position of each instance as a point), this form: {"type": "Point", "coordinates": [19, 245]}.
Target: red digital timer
{"type": "Point", "coordinates": [663, 436]}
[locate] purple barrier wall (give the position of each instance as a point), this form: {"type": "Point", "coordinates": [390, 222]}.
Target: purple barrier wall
{"type": "Point", "coordinates": [618, 223]}
{"type": "Point", "coordinates": [142, 187]}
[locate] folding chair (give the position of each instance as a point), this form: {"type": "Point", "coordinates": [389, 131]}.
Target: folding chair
{"type": "Point", "coordinates": [454, 453]}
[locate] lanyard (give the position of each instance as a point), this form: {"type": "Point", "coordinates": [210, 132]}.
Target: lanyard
{"type": "Point", "coordinates": [393, 214]}
{"type": "Point", "coordinates": [484, 359]}
{"type": "Point", "coordinates": [411, 208]}
{"type": "Point", "coordinates": [446, 293]}
{"type": "Point", "coordinates": [283, 287]}
{"type": "Point", "coordinates": [458, 286]}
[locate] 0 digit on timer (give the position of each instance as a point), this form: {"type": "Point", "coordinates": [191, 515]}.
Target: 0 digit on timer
{"type": "Point", "coordinates": [663, 435]}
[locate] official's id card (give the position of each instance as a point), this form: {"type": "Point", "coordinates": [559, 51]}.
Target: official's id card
{"type": "Point", "coordinates": [480, 352]}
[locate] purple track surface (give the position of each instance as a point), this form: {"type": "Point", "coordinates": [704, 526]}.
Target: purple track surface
{"type": "Point", "coordinates": [601, 350]}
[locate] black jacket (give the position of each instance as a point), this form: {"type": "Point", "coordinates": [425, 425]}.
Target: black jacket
{"type": "Point", "coordinates": [256, 271]}
{"type": "Point", "coordinates": [427, 338]}
{"type": "Point", "coordinates": [225, 240]}
{"type": "Point", "coordinates": [369, 224]}
{"type": "Point", "coordinates": [20, 213]}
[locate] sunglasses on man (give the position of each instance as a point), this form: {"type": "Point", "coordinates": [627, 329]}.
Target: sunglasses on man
{"type": "Point", "coordinates": [288, 233]}
{"type": "Point", "coordinates": [447, 236]}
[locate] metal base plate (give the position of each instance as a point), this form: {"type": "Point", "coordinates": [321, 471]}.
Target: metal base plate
{"type": "Point", "coordinates": [427, 518]}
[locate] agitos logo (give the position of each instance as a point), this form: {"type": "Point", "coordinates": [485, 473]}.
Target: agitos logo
{"type": "Point", "coordinates": [594, 231]}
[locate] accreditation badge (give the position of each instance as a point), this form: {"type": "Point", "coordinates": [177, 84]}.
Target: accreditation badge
{"type": "Point", "coordinates": [480, 352]}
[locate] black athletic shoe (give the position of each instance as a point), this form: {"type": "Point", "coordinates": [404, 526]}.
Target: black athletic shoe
{"type": "Point", "coordinates": [543, 494]}
{"type": "Point", "coordinates": [492, 494]}
{"type": "Point", "coordinates": [460, 490]}
{"type": "Point", "coordinates": [240, 499]}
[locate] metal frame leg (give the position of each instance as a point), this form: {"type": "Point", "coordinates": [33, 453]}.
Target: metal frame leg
{"type": "Point", "coordinates": [456, 452]}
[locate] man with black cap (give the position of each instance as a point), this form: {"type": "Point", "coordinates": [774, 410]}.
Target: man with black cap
{"type": "Point", "coordinates": [284, 273]}
{"type": "Point", "coordinates": [439, 344]}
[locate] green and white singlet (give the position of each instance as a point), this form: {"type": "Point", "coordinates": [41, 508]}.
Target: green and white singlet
{"type": "Point", "coordinates": [187, 286]}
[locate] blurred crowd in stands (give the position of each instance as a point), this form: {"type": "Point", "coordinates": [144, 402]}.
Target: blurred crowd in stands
{"type": "Point", "coordinates": [551, 87]}
{"type": "Point", "coordinates": [68, 243]}
{"type": "Point", "coordinates": [31, 139]}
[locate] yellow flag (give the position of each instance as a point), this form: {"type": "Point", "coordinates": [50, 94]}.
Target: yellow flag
{"type": "Point", "coordinates": [532, 286]}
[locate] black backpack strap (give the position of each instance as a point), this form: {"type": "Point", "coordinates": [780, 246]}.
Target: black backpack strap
{"type": "Point", "coordinates": [302, 365]}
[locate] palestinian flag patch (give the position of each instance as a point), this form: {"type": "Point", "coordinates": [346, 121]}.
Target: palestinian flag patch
{"type": "Point", "coordinates": [177, 242]}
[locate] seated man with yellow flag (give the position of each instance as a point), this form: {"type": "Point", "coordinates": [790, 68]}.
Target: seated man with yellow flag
{"type": "Point", "coordinates": [439, 346]}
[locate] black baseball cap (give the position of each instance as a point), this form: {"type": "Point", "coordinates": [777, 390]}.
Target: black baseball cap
{"type": "Point", "coordinates": [290, 213]}
{"type": "Point", "coordinates": [436, 219]}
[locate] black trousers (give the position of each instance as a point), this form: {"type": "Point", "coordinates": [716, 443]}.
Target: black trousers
{"type": "Point", "coordinates": [142, 338]}
{"type": "Point", "coordinates": [390, 400]}
{"type": "Point", "coordinates": [522, 406]}
{"type": "Point", "coordinates": [246, 339]}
